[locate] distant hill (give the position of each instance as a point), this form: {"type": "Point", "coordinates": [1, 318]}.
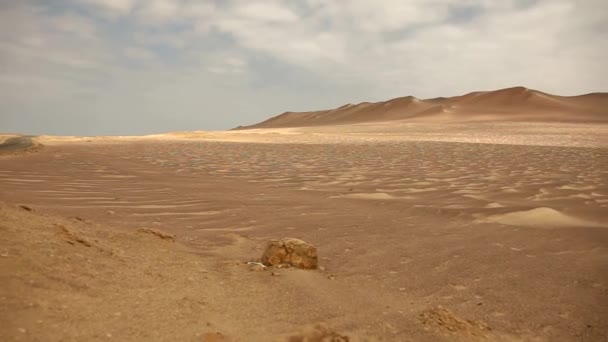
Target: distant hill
{"type": "Point", "coordinates": [511, 104]}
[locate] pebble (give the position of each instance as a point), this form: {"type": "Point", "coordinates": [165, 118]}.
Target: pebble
{"type": "Point", "coordinates": [257, 268]}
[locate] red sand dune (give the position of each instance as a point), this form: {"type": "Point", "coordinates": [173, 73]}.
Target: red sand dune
{"type": "Point", "coordinates": [511, 104]}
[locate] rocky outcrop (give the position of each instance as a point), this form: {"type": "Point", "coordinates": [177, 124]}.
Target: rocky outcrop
{"type": "Point", "coordinates": [292, 252]}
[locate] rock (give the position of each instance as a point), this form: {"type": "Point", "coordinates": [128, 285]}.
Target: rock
{"type": "Point", "coordinates": [293, 252]}
{"type": "Point", "coordinates": [318, 333]}
{"type": "Point", "coordinates": [158, 233]}
{"type": "Point", "coordinates": [72, 237]}
{"type": "Point", "coordinates": [444, 319]}
{"type": "Point", "coordinates": [275, 274]}
{"type": "Point", "coordinates": [256, 267]}
{"type": "Point", "coordinates": [25, 207]}
{"type": "Point", "coordinates": [215, 337]}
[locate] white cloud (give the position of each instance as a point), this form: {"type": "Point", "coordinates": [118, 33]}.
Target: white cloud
{"type": "Point", "coordinates": [160, 10]}
{"type": "Point", "coordinates": [139, 54]}
{"type": "Point", "coordinates": [226, 65]}
{"type": "Point", "coordinates": [113, 7]}
{"type": "Point", "coordinates": [362, 15]}
{"type": "Point", "coordinates": [267, 11]}
{"type": "Point", "coordinates": [354, 50]}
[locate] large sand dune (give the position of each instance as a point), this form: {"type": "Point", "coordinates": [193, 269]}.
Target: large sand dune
{"type": "Point", "coordinates": [512, 104]}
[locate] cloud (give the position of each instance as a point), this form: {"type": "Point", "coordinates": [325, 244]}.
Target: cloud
{"type": "Point", "coordinates": [227, 65]}
{"type": "Point", "coordinates": [160, 10]}
{"type": "Point", "coordinates": [265, 11]}
{"type": "Point", "coordinates": [139, 54]}
{"type": "Point", "coordinates": [112, 7]}
{"type": "Point", "coordinates": [217, 64]}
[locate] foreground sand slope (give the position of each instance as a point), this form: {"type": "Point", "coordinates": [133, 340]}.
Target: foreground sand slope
{"type": "Point", "coordinates": [512, 104]}
{"type": "Point", "coordinates": [69, 280]}
{"type": "Point", "coordinates": [65, 279]}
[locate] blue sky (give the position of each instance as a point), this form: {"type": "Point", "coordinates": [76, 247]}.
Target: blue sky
{"type": "Point", "coordinates": [93, 67]}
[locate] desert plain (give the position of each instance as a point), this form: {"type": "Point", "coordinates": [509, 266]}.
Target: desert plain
{"type": "Point", "coordinates": [431, 227]}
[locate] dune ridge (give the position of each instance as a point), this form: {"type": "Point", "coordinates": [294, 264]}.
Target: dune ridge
{"type": "Point", "coordinates": [510, 104]}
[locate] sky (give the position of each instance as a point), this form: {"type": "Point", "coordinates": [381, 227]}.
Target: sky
{"type": "Point", "coordinates": [118, 67]}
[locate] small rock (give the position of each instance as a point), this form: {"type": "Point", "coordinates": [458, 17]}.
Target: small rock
{"type": "Point", "coordinates": [290, 251]}
{"type": "Point", "coordinates": [22, 330]}
{"type": "Point", "coordinates": [257, 267]}
{"type": "Point", "coordinates": [156, 232]}
{"type": "Point", "coordinates": [215, 337]}
{"type": "Point", "coordinates": [25, 207]}
{"type": "Point", "coordinates": [331, 277]}
{"type": "Point", "coordinates": [110, 212]}
{"type": "Point", "coordinates": [275, 274]}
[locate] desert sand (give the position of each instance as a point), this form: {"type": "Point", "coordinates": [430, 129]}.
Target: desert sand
{"type": "Point", "coordinates": [437, 230]}
{"type": "Point", "coordinates": [512, 104]}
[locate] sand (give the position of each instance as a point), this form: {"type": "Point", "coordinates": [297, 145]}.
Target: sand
{"type": "Point", "coordinates": [517, 104]}
{"type": "Point", "coordinates": [542, 217]}
{"type": "Point", "coordinates": [460, 231]}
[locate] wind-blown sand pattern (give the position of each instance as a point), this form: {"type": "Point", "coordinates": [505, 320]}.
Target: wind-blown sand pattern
{"type": "Point", "coordinates": [421, 236]}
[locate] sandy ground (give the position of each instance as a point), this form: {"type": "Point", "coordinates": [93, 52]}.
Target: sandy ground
{"type": "Point", "coordinates": [488, 231]}
{"type": "Point", "coordinates": [503, 133]}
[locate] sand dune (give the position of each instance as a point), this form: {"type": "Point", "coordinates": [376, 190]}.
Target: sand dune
{"type": "Point", "coordinates": [511, 104]}
{"type": "Point", "coordinates": [540, 217]}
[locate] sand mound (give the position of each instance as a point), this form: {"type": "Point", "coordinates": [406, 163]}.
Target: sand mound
{"type": "Point", "coordinates": [518, 103]}
{"type": "Point", "coordinates": [517, 96]}
{"type": "Point", "coordinates": [18, 144]}
{"type": "Point", "coordinates": [539, 217]}
{"type": "Point", "coordinates": [395, 109]}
